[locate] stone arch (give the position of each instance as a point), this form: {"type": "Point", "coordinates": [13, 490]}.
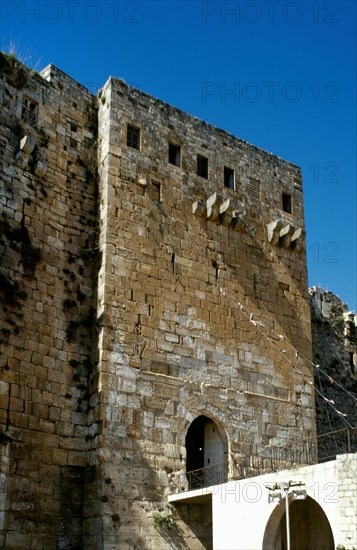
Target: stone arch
{"type": "Point", "coordinates": [189, 410]}
{"type": "Point", "coordinates": [309, 527]}
{"type": "Point", "coordinates": [206, 445]}
{"type": "Point", "coordinates": [193, 408]}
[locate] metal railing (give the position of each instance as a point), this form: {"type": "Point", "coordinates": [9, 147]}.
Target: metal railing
{"type": "Point", "coordinates": [322, 448]}
{"type": "Point", "coordinates": [331, 444]}
{"type": "Point", "coordinates": [210, 475]}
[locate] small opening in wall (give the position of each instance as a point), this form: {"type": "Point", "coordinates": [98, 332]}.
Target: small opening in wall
{"type": "Point", "coordinates": [202, 166]}
{"type": "Point", "coordinates": [174, 154]}
{"type": "Point", "coordinates": [29, 111]}
{"type": "Point", "coordinates": [254, 189]}
{"type": "Point", "coordinates": [228, 177]}
{"type": "Point", "coordinates": [352, 364]}
{"type": "Point", "coordinates": [133, 137]}
{"type": "Point", "coordinates": [173, 261]}
{"type": "Point", "coordinates": [155, 191]}
{"type": "Point", "coordinates": [287, 203]}
{"type": "Point", "coordinates": [205, 447]}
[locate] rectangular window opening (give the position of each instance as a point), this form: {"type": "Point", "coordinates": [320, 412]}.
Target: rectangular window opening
{"type": "Point", "coordinates": [133, 137]}
{"type": "Point", "coordinates": [29, 111]}
{"type": "Point", "coordinates": [202, 166]}
{"type": "Point", "coordinates": [254, 189]}
{"type": "Point", "coordinates": [352, 363]}
{"type": "Point", "coordinates": [155, 191]}
{"type": "Point", "coordinates": [174, 154]}
{"type": "Point", "coordinates": [228, 177]}
{"type": "Point", "coordinates": [287, 203]}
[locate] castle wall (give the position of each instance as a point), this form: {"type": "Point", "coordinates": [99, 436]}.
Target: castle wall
{"type": "Point", "coordinates": [182, 253]}
{"type": "Point", "coordinates": [47, 255]}
{"type": "Point", "coordinates": [126, 316]}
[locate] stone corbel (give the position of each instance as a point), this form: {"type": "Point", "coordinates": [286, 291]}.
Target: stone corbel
{"type": "Point", "coordinates": [21, 159]}
{"type": "Point", "coordinates": [225, 214]}
{"type": "Point", "coordinates": [274, 229]}
{"type": "Point", "coordinates": [198, 209]}
{"type": "Point", "coordinates": [237, 222]}
{"type": "Point", "coordinates": [212, 207]}
{"type": "Point", "coordinates": [40, 168]}
{"type": "Point", "coordinates": [27, 144]}
{"type": "Point", "coordinates": [142, 181]}
{"type": "Point", "coordinates": [285, 235]}
{"type": "Point", "coordinates": [219, 210]}
{"type": "Point", "coordinates": [297, 236]}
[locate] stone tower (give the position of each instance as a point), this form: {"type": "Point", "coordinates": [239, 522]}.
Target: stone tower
{"type": "Point", "coordinates": [48, 227]}
{"type": "Point", "coordinates": [149, 261]}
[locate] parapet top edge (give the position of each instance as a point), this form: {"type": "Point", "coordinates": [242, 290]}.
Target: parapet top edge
{"type": "Point", "coordinates": [211, 126]}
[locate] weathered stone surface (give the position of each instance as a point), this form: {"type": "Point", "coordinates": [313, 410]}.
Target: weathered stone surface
{"type": "Point", "coordinates": [334, 337]}
{"type": "Point", "coordinates": [191, 345]}
{"type": "Point", "coordinates": [47, 219]}
{"type": "Point", "coordinates": [129, 317]}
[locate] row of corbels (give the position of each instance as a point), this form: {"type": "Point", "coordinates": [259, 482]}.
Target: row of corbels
{"type": "Point", "coordinates": [27, 146]}
{"type": "Point", "coordinates": [216, 209]}
{"type": "Point", "coordinates": [284, 234]}
{"type": "Point", "coordinates": [280, 232]}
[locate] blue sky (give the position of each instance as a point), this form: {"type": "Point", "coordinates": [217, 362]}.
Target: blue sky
{"type": "Point", "coordinates": [279, 74]}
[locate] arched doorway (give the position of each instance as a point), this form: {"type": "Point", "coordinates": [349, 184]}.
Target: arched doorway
{"type": "Point", "coordinates": [206, 452]}
{"type": "Point", "coordinates": [309, 527]}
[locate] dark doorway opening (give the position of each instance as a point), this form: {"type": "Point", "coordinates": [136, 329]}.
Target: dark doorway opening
{"type": "Point", "coordinates": [206, 454]}
{"type": "Point", "coordinates": [195, 443]}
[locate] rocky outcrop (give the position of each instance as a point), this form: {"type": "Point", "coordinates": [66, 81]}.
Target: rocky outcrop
{"type": "Point", "coordinates": [334, 341]}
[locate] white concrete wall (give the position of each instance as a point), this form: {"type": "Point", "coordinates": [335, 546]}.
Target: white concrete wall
{"type": "Point", "coordinates": [347, 501]}
{"type": "Point", "coordinates": [241, 510]}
